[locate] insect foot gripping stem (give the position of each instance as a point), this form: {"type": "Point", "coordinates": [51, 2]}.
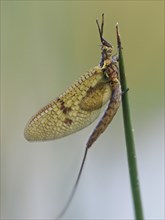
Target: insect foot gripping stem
{"type": "Point", "coordinates": [126, 90]}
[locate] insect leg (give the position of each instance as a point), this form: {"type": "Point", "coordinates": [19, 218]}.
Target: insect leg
{"type": "Point", "coordinates": [115, 57]}
{"type": "Point", "coordinates": [126, 90]}
{"type": "Point", "coordinates": [101, 29]}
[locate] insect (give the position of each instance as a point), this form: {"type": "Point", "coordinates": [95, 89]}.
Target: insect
{"type": "Point", "coordinates": [81, 104]}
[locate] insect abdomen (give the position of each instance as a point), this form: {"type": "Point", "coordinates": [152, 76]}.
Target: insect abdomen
{"type": "Point", "coordinates": [109, 113]}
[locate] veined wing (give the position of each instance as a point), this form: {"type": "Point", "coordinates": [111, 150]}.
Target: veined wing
{"type": "Point", "coordinates": [78, 107]}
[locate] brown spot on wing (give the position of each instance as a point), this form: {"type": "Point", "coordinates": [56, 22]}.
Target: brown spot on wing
{"type": "Point", "coordinates": [66, 110]}
{"type": "Point", "coordinates": [63, 108]}
{"type": "Point", "coordinates": [68, 121]}
{"type": "Point", "coordinates": [96, 96]}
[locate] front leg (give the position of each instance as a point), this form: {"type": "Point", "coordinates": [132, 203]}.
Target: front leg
{"type": "Point", "coordinates": [115, 58]}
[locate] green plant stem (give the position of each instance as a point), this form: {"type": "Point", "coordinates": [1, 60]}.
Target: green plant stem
{"type": "Point", "coordinates": [131, 154]}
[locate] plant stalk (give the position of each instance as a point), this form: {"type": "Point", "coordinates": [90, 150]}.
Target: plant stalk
{"type": "Point", "coordinates": [129, 137]}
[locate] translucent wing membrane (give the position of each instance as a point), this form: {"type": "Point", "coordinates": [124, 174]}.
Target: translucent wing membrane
{"type": "Point", "coordinates": [78, 107]}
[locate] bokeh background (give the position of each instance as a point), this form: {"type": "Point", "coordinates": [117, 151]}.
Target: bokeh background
{"type": "Point", "coordinates": [45, 47]}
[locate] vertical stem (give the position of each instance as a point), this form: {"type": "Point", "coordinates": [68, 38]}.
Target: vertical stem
{"type": "Point", "coordinates": [131, 154]}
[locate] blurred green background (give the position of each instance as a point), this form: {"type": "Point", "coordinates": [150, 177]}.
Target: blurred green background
{"type": "Point", "coordinates": [45, 47]}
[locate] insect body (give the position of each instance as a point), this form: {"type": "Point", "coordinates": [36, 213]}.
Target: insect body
{"type": "Point", "coordinates": [81, 104]}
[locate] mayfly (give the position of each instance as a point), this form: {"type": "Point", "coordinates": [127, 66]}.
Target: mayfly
{"type": "Point", "coordinates": [81, 104]}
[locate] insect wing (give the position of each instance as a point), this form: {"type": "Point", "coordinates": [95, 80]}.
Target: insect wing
{"type": "Point", "coordinates": [78, 107]}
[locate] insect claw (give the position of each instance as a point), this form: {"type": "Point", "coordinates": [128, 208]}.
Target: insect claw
{"type": "Point", "coordinates": [126, 90]}
{"type": "Point", "coordinates": [115, 57]}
